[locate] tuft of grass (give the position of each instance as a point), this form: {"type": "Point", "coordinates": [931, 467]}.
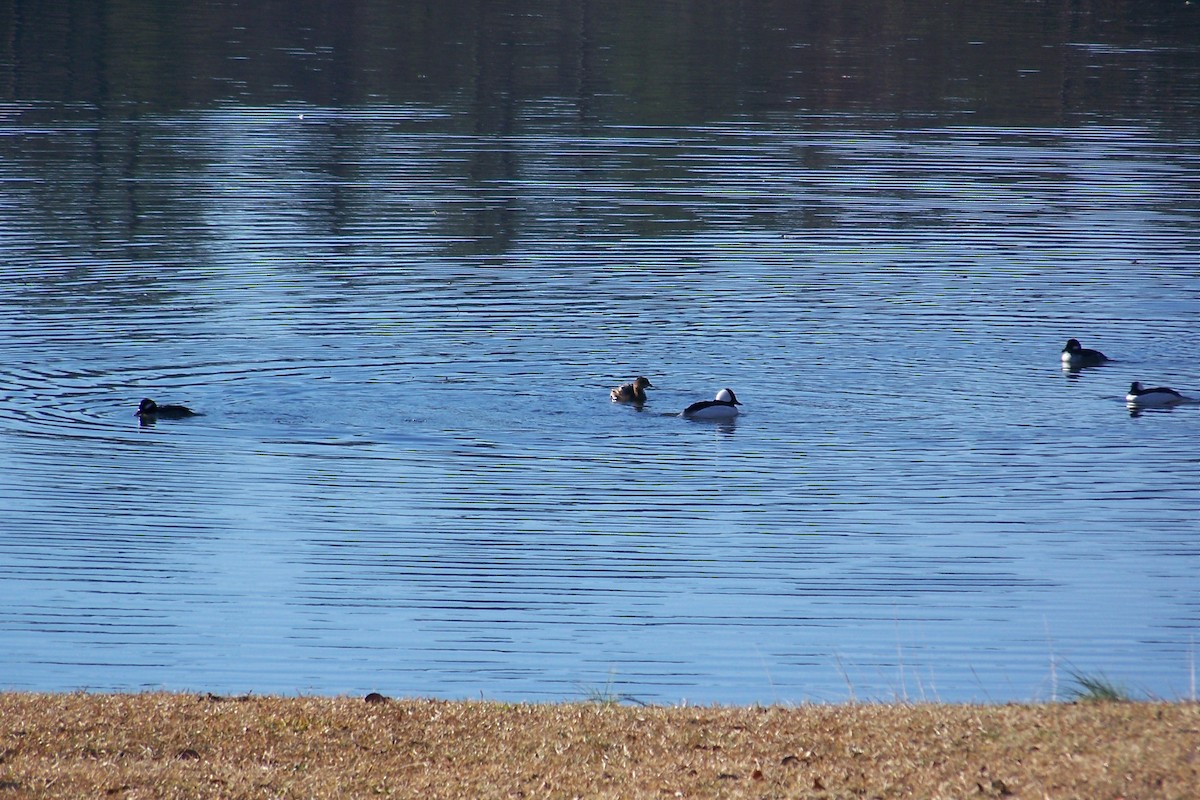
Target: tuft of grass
{"type": "Point", "coordinates": [604, 696]}
{"type": "Point", "coordinates": [1097, 688]}
{"type": "Point", "coordinates": [607, 695]}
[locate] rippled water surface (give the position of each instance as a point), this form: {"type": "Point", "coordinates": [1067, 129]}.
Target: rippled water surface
{"type": "Point", "coordinates": [408, 476]}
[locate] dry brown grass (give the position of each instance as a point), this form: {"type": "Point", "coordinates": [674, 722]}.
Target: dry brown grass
{"type": "Point", "coordinates": [188, 746]}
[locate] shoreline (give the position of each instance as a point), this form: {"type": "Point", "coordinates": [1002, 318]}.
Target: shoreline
{"type": "Point", "coordinates": [201, 745]}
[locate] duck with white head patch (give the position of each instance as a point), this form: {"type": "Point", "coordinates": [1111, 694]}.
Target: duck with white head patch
{"type": "Point", "coordinates": [1157, 396]}
{"type": "Point", "coordinates": [723, 407]}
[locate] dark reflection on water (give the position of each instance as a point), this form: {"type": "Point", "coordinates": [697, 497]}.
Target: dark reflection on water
{"type": "Point", "coordinates": [642, 62]}
{"type": "Point", "coordinates": [399, 253]}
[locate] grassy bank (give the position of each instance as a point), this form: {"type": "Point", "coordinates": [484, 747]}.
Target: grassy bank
{"type": "Point", "coordinates": [194, 746]}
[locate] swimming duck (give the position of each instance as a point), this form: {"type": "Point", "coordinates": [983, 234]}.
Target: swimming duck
{"type": "Point", "coordinates": [631, 392]}
{"type": "Point", "coordinates": [150, 410]}
{"type": "Point", "coordinates": [1075, 355]}
{"type": "Point", "coordinates": [723, 407]}
{"type": "Point", "coordinates": [1158, 396]}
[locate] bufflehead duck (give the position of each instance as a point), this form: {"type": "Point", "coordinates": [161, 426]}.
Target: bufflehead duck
{"type": "Point", "coordinates": [723, 407]}
{"type": "Point", "coordinates": [1075, 355]}
{"type": "Point", "coordinates": [1158, 396]}
{"type": "Point", "coordinates": [150, 410]}
{"type": "Point", "coordinates": [632, 392]}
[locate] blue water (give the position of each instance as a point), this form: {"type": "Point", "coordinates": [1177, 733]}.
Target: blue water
{"type": "Point", "coordinates": [408, 476]}
{"type": "Point", "coordinates": [400, 318]}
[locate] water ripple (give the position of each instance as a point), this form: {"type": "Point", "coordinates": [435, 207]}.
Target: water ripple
{"type": "Point", "coordinates": [408, 470]}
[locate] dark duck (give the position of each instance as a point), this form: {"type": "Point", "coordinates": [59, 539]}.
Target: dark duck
{"type": "Point", "coordinates": [149, 411]}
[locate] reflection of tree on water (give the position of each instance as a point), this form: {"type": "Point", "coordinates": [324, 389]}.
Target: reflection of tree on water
{"type": "Point", "coordinates": [388, 86]}
{"type": "Point", "coordinates": [642, 62]}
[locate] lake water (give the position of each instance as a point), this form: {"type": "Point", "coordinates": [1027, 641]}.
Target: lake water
{"type": "Point", "coordinates": [399, 280]}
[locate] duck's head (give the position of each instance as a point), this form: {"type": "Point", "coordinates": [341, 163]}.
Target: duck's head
{"type": "Point", "coordinates": [727, 396]}
{"type": "Point", "coordinates": [642, 382]}
{"type": "Point", "coordinates": [147, 406]}
{"type": "Point", "coordinates": [1135, 387]}
{"type": "Point", "coordinates": [1073, 346]}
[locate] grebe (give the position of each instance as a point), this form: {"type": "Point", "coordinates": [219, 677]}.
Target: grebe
{"type": "Point", "coordinates": [632, 392]}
